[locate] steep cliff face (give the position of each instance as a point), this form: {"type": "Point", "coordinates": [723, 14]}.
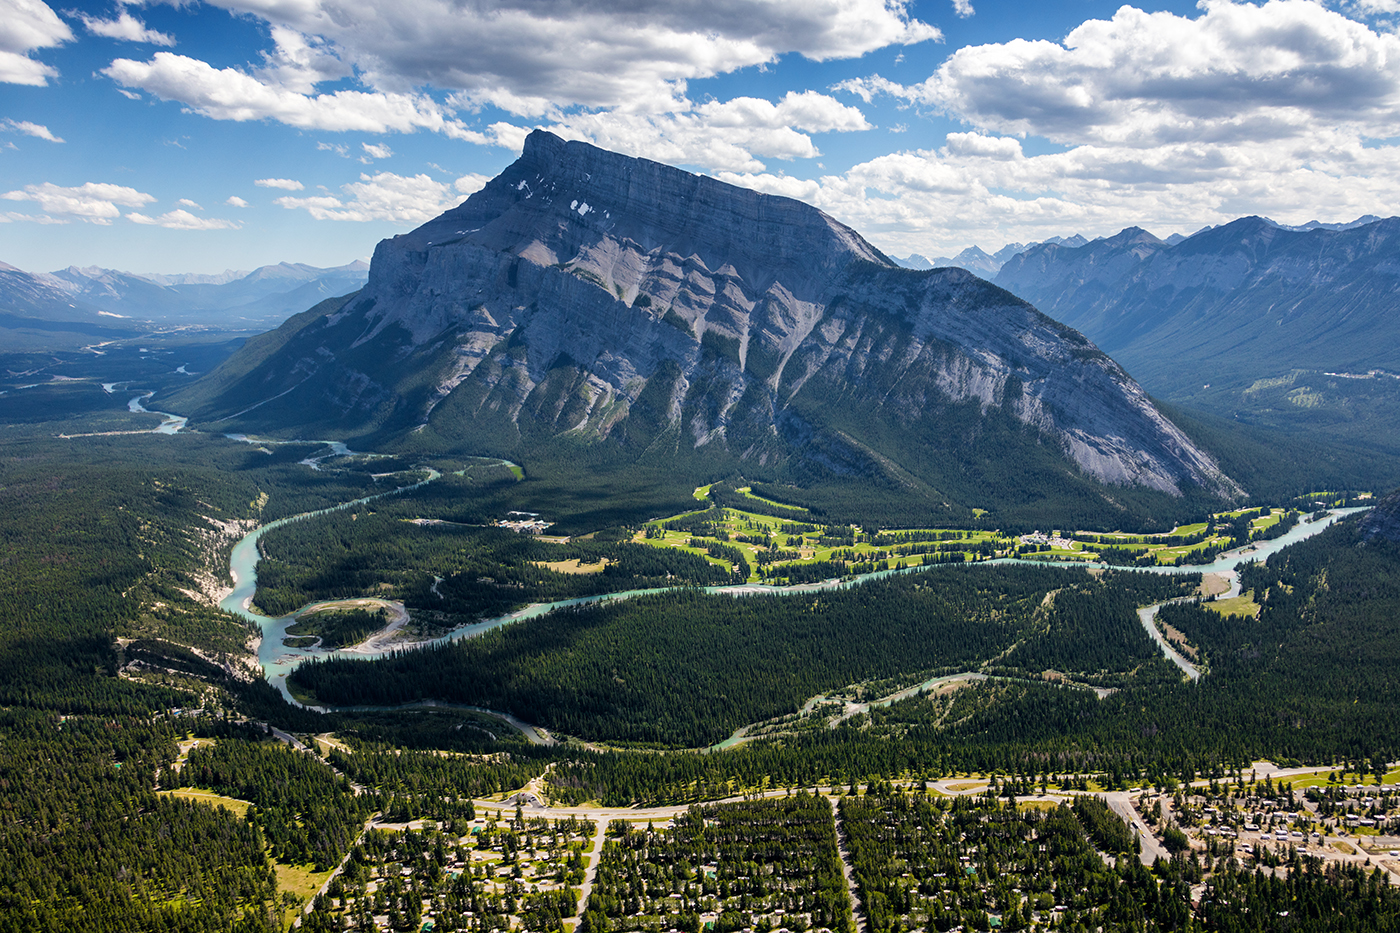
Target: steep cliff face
{"type": "Point", "coordinates": [591, 296]}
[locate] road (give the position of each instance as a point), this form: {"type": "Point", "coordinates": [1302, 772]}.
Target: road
{"type": "Point", "coordinates": [1121, 804]}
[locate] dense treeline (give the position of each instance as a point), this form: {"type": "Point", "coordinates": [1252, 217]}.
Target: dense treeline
{"type": "Point", "coordinates": [1093, 631]}
{"type": "Point", "coordinates": [1312, 898]}
{"type": "Point", "coordinates": [463, 570]}
{"type": "Point", "coordinates": [748, 863]}
{"type": "Point", "coordinates": [339, 628]}
{"type": "Point", "coordinates": [974, 864]}
{"type": "Point", "coordinates": [428, 784]}
{"type": "Point", "coordinates": [683, 668]}
{"type": "Point", "coordinates": [85, 843]}
{"type": "Point", "coordinates": [1108, 831]}
{"type": "Point", "coordinates": [306, 813]}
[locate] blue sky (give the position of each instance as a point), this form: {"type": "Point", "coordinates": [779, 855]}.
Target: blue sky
{"type": "Point", "coordinates": [200, 136]}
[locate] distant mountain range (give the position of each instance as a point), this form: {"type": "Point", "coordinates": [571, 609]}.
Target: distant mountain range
{"type": "Point", "coordinates": [76, 304]}
{"type": "Point", "coordinates": [588, 306]}
{"type": "Point", "coordinates": [975, 259]}
{"type": "Point", "coordinates": [1245, 301]}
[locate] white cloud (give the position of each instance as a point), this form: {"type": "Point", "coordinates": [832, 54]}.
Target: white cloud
{"type": "Point", "coordinates": [93, 202]}
{"type": "Point", "coordinates": [31, 129]}
{"type": "Point", "coordinates": [1374, 7]}
{"type": "Point", "coordinates": [719, 136]}
{"type": "Point", "coordinates": [530, 57]}
{"type": "Point", "coordinates": [26, 25]}
{"type": "Point", "coordinates": [298, 63]}
{"type": "Point", "coordinates": [183, 220]}
{"type": "Point", "coordinates": [337, 148]}
{"type": "Point", "coordinates": [186, 202]}
{"type": "Point", "coordinates": [286, 184]}
{"type": "Point", "coordinates": [235, 201]}
{"type": "Point", "coordinates": [991, 147]}
{"type": "Point", "coordinates": [373, 151]}
{"type": "Point", "coordinates": [963, 8]}
{"type": "Point", "coordinates": [1164, 121]}
{"type": "Point", "coordinates": [599, 71]}
{"type": "Point", "coordinates": [1238, 72]}
{"type": "Point", "coordinates": [229, 94]}
{"type": "Point", "coordinates": [389, 197]}
{"type": "Point", "coordinates": [8, 217]}
{"type": "Point", "coordinates": [125, 27]}
{"type": "Point", "coordinates": [939, 201]}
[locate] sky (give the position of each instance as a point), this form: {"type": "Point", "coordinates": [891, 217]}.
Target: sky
{"type": "Point", "coordinates": [198, 136]}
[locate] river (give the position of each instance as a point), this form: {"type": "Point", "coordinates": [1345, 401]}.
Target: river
{"type": "Point", "coordinates": [278, 660]}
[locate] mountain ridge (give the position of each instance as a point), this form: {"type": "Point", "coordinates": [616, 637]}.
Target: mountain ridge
{"type": "Point", "coordinates": [1250, 298]}
{"type": "Point", "coordinates": [242, 300]}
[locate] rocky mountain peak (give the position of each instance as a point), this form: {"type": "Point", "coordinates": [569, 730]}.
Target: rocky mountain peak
{"type": "Point", "coordinates": [590, 296]}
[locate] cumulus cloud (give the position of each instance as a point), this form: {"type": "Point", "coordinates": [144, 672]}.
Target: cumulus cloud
{"type": "Point", "coordinates": [26, 25]}
{"type": "Point", "coordinates": [719, 135]}
{"type": "Point", "coordinates": [183, 220]}
{"type": "Point", "coordinates": [229, 94]}
{"type": "Point", "coordinates": [373, 151]}
{"type": "Point", "coordinates": [1237, 72]}
{"type": "Point", "coordinates": [532, 56]}
{"type": "Point", "coordinates": [125, 27]}
{"type": "Point", "coordinates": [30, 129]}
{"type": "Point", "coordinates": [186, 202]}
{"type": "Point", "coordinates": [298, 63]}
{"type": "Point", "coordinates": [596, 71]}
{"type": "Point", "coordinates": [93, 202]}
{"type": "Point", "coordinates": [388, 197]}
{"type": "Point", "coordinates": [1164, 121]}
{"type": "Point", "coordinates": [235, 201]}
{"type": "Point", "coordinates": [286, 184]}
{"type": "Point", "coordinates": [963, 8]}
{"type": "Point", "coordinates": [937, 201]}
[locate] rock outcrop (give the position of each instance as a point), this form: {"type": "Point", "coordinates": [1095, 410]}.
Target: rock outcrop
{"type": "Point", "coordinates": [606, 299]}
{"type": "Point", "coordinates": [1383, 519]}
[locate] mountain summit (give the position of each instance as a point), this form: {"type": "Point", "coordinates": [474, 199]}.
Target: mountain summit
{"type": "Point", "coordinates": [586, 300]}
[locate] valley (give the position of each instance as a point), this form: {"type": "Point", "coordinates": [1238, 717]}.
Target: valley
{"type": "Point", "coordinates": [586, 572]}
{"type": "Point", "coordinates": [907, 716]}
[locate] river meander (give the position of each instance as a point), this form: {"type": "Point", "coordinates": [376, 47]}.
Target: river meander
{"type": "Point", "coordinates": [278, 660]}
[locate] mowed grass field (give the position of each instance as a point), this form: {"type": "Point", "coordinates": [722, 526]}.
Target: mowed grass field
{"type": "Point", "coordinates": [797, 540]}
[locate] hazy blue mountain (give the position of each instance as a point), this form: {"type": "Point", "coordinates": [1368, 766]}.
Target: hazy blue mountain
{"type": "Point", "coordinates": [1242, 301]}
{"type": "Point", "coordinates": [76, 304]}
{"type": "Point", "coordinates": [1289, 328]}
{"type": "Point", "coordinates": [977, 260]}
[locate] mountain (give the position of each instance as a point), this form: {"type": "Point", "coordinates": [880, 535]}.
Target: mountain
{"type": "Point", "coordinates": [267, 295]}
{"type": "Point", "coordinates": [585, 304]}
{"type": "Point", "coordinates": [79, 303]}
{"type": "Point", "coordinates": [914, 261]}
{"type": "Point", "coordinates": [1243, 301]}
{"type": "Point", "coordinates": [977, 260]}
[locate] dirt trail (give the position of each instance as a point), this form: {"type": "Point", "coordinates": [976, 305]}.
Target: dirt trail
{"type": "Point", "coordinates": [857, 914]}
